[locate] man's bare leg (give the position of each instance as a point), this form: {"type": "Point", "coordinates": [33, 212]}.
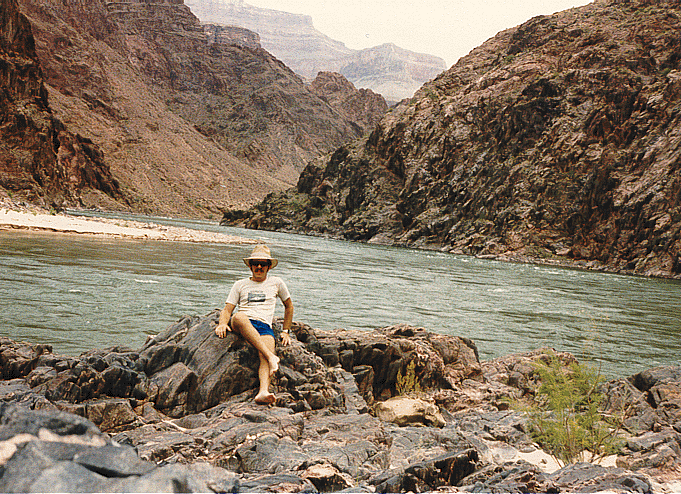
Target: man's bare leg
{"type": "Point", "coordinates": [242, 325]}
{"type": "Point", "coordinates": [264, 397]}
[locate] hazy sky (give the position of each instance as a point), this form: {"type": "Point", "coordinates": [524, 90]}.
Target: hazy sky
{"type": "Point", "coordinates": [446, 28]}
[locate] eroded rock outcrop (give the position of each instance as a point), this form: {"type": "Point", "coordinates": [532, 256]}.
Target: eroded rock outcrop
{"type": "Point", "coordinates": [40, 160]}
{"type": "Point", "coordinates": [363, 106]}
{"type": "Point", "coordinates": [178, 413]}
{"type": "Point", "coordinates": [556, 141]}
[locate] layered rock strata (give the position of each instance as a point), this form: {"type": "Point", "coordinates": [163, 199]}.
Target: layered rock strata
{"type": "Point", "coordinates": [391, 71]}
{"type": "Point", "coordinates": [178, 414]}
{"type": "Point", "coordinates": [556, 141]}
{"type": "Point", "coordinates": [231, 35]}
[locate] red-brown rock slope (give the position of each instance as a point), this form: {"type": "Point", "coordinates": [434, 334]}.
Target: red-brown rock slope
{"type": "Point", "coordinates": [40, 161]}
{"type": "Point", "coordinates": [188, 121]}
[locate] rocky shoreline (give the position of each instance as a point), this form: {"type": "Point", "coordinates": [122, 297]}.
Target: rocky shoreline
{"type": "Point", "coordinates": [177, 415]}
{"type": "Point", "coordinates": [524, 255]}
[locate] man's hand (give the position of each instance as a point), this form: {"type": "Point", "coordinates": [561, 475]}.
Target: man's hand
{"type": "Point", "coordinates": [285, 339]}
{"type": "Point", "coordinates": [221, 330]}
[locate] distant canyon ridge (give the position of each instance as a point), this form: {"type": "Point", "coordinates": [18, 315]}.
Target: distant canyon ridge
{"type": "Point", "coordinates": [393, 72]}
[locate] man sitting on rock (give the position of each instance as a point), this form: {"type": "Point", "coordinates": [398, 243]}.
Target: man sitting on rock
{"type": "Point", "coordinates": [256, 298]}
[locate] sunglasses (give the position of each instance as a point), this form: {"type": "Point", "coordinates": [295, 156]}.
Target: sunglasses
{"type": "Point", "coordinates": [260, 263]}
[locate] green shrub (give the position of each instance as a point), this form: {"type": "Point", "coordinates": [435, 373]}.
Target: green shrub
{"type": "Point", "coordinates": [566, 419]}
{"type": "Point", "coordinates": [408, 383]}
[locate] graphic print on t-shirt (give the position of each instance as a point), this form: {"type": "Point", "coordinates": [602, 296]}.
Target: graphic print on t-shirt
{"type": "Point", "coordinates": [254, 297]}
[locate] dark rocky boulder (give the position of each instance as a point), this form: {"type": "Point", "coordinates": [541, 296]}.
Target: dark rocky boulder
{"type": "Point", "coordinates": [48, 451]}
{"type": "Point", "coordinates": [178, 414]}
{"type": "Point", "coordinates": [192, 370]}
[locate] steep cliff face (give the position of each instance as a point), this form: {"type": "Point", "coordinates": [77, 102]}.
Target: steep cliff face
{"type": "Point", "coordinates": [557, 140]}
{"type": "Point", "coordinates": [40, 160]}
{"type": "Point", "coordinates": [363, 106]}
{"type": "Point", "coordinates": [393, 72]}
{"type": "Point", "coordinates": [189, 121]}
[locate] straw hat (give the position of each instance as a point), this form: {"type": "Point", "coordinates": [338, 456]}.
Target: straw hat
{"type": "Point", "coordinates": [261, 252]}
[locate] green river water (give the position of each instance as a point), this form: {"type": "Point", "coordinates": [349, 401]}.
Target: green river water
{"type": "Point", "coordinates": [78, 293]}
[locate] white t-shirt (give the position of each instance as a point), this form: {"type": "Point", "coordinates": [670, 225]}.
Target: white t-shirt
{"type": "Point", "coordinates": [258, 300]}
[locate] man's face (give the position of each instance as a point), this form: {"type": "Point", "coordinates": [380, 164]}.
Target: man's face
{"type": "Point", "coordinates": [259, 268]}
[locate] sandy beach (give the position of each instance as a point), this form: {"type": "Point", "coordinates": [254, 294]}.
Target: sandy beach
{"type": "Point", "coordinates": [40, 220]}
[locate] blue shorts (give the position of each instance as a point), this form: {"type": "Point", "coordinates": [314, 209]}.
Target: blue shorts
{"type": "Point", "coordinates": [262, 328]}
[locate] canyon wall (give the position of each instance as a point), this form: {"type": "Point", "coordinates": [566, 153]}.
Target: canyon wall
{"type": "Point", "coordinates": [558, 141]}
{"type": "Point", "coordinates": [189, 119]}
{"type": "Point", "coordinates": [40, 160]}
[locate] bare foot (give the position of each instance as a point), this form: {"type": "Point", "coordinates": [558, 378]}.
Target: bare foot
{"type": "Point", "coordinates": [265, 398]}
{"type": "Point", "coordinates": [274, 364]}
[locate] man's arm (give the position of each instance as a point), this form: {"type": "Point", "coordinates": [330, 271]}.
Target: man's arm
{"type": "Point", "coordinates": [223, 325]}
{"type": "Point", "coordinates": [288, 321]}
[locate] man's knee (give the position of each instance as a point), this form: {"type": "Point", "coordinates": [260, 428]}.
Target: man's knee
{"type": "Point", "coordinates": [237, 321]}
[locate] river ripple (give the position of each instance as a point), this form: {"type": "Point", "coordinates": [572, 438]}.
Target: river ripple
{"type": "Point", "coordinates": [79, 293]}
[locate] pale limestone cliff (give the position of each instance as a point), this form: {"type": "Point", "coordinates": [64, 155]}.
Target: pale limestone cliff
{"type": "Point", "coordinates": [391, 71]}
